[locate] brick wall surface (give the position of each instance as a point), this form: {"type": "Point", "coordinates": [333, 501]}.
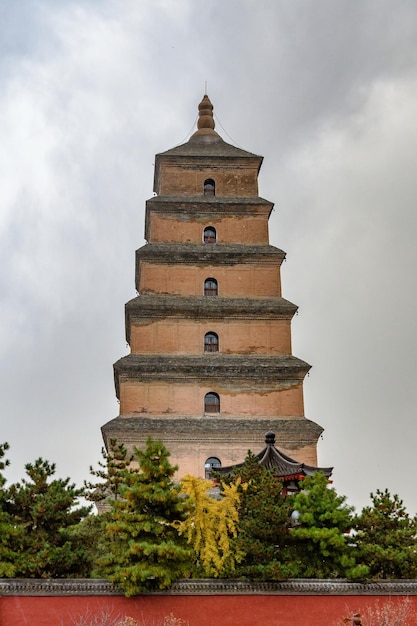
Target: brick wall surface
{"type": "Point", "coordinates": [187, 398]}
{"type": "Point", "coordinates": [178, 180]}
{"type": "Point", "coordinates": [234, 229]}
{"type": "Point", "coordinates": [184, 336]}
{"type": "Point", "coordinates": [249, 280]}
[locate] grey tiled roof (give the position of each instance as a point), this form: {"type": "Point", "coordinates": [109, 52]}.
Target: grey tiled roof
{"type": "Point", "coordinates": [297, 432]}
{"type": "Point", "coordinates": [279, 463]}
{"type": "Point", "coordinates": [208, 145]}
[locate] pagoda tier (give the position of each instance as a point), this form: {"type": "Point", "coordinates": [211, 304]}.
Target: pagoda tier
{"type": "Point", "coordinates": [164, 213]}
{"type": "Point", "coordinates": [193, 438]}
{"type": "Point", "coordinates": [254, 315]}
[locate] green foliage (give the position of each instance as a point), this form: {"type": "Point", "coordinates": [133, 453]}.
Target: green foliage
{"type": "Point", "coordinates": [322, 548]}
{"type": "Point", "coordinates": [89, 533]}
{"type": "Point", "coordinates": [210, 525]}
{"type": "Point", "coordinates": [8, 529]}
{"type": "Point", "coordinates": [386, 537]}
{"type": "Point", "coordinates": [3, 463]}
{"type": "Point", "coordinates": [109, 479]}
{"type": "Point", "coordinates": [110, 473]}
{"type": "Point", "coordinates": [144, 550]}
{"type": "Point", "coordinates": [264, 515]}
{"type": "Point", "coordinates": [154, 531]}
{"type": "Point", "coordinates": [44, 513]}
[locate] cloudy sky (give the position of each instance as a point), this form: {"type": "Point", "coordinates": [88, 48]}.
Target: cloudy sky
{"type": "Point", "coordinates": [326, 90]}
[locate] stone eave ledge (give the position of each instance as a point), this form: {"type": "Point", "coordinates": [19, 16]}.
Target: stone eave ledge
{"type": "Point", "coordinates": [101, 587]}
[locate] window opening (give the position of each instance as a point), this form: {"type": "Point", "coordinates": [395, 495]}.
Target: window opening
{"type": "Point", "coordinates": [209, 187]}
{"type": "Point", "coordinates": [211, 463]}
{"type": "Point", "coordinates": [210, 235]}
{"type": "Point", "coordinates": [211, 342]}
{"type": "Point", "coordinates": [211, 287]}
{"type": "Point", "coordinates": [211, 403]}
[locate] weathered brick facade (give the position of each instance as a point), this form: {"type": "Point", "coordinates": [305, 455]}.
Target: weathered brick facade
{"type": "Point", "coordinates": [211, 368]}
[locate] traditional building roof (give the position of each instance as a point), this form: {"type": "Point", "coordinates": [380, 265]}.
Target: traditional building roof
{"type": "Point", "coordinates": [204, 144]}
{"type": "Point", "coordinates": [282, 466]}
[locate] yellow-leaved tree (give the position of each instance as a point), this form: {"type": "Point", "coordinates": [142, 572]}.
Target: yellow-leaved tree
{"type": "Point", "coordinates": [211, 525]}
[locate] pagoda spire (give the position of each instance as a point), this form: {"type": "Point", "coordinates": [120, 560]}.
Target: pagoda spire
{"type": "Point", "coordinates": [205, 123]}
{"type": "Point", "coordinates": [205, 114]}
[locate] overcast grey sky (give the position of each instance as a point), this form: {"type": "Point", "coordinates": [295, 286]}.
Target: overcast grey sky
{"type": "Point", "coordinates": [326, 90]}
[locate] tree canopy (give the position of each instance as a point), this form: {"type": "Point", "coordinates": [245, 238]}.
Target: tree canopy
{"type": "Point", "coordinates": [322, 544]}
{"type": "Point", "coordinates": [386, 537]}
{"type": "Point", "coordinates": [263, 523]}
{"type": "Point", "coordinates": [144, 550]}
{"type": "Point", "coordinates": [153, 531]}
{"type": "Point", "coordinates": [44, 511]}
{"type": "Point", "coordinates": [210, 526]}
{"type": "Point", "coordinates": [8, 529]}
{"type": "Point", "coordinates": [110, 473]}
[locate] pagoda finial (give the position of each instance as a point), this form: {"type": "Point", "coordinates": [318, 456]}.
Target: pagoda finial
{"type": "Point", "coordinates": [205, 114]}
{"type": "Point", "coordinates": [205, 132]}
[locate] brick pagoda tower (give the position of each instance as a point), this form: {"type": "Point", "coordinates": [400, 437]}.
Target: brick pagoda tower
{"type": "Point", "coordinates": [210, 369]}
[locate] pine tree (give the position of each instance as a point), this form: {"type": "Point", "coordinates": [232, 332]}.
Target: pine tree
{"type": "Point", "coordinates": [211, 525]}
{"type": "Point", "coordinates": [263, 528]}
{"type": "Point", "coordinates": [89, 533]}
{"type": "Point", "coordinates": [9, 530]}
{"type": "Point", "coordinates": [110, 473]}
{"type": "Point", "coordinates": [144, 550]}
{"type": "Point", "coordinates": [45, 510]}
{"type": "Point", "coordinates": [386, 537]}
{"type": "Point", "coordinates": [109, 479]}
{"type": "Point", "coordinates": [322, 547]}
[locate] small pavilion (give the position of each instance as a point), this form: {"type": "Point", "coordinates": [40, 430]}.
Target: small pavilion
{"type": "Point", "coordinates": [283, 467]}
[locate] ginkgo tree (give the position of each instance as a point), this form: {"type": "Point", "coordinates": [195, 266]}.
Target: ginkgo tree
{"type": "Point", "coordinates": [211, 524]}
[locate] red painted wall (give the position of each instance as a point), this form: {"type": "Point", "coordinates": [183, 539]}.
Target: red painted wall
{"type": "Point", "coordinates": [224, 610]}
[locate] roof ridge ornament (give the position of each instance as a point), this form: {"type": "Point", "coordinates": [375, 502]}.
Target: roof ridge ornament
{"type": "Point", "coordinates": [270, 438]}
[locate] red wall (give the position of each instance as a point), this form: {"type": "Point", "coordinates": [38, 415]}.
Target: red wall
{"type": "Point", "coordinates": [221, 610]}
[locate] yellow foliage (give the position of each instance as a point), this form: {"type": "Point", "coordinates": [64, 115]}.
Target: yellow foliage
{"type": "Point", "coordinates": [211, 524]}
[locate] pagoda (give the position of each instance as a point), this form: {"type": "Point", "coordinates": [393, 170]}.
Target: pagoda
{"type": "Point", "coordinates": [210, 368]}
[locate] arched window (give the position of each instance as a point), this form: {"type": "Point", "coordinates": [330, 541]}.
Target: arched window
{"type": "Point", "coordinates": [211, 403]}
{"type": "Point", "coordinates": [211, 342]}
{"type": "Point", "coordinates": [209, 187]}
{"type": "Point", "coordinates": [211, 287]}
{"type": "Point", "coordinates": [210, 235]}
{"type": "Point", "coordinates": [211, 463]}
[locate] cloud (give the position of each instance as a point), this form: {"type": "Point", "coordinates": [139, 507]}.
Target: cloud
{"type": "Point", "coordinates": [351, 260]}
{"type": "Point", "coordinates": [326, 91]}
